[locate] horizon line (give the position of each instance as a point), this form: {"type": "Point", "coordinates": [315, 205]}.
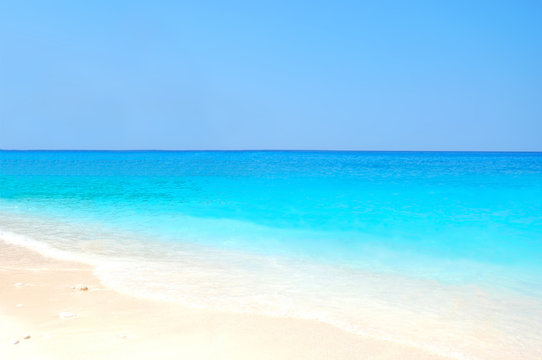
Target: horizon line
{"type": "Point", "coordinates": [269, 150]}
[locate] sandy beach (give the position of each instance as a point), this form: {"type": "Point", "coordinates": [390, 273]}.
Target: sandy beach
{"type": "Point", "coordinates": [100, 323]}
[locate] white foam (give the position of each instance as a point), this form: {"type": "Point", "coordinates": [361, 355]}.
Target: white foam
{"type": "Point", "coordinates": [42, 248]}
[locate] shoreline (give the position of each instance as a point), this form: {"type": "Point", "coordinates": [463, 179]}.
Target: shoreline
{"type": "Point", "coordinates": [36, 289]}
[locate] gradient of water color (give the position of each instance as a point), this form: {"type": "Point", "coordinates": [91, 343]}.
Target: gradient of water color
{"type": "Point", "coordinates": [437, 250]}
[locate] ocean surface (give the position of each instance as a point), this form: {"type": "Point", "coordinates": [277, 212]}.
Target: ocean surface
{"type": "Point", "coordinates": [442, 251]}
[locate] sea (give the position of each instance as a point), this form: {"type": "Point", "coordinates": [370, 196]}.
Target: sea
{"type": "Point", "coordinates": [437, 250]}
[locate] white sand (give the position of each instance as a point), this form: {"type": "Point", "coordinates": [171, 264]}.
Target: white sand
{"type": "Point", "coordinates": [103, 324]}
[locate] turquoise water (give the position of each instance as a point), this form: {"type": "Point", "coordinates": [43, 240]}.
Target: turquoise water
{"type": "Point", "coordinates": [302, 234]}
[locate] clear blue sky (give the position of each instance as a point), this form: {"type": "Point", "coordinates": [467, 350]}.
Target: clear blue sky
{"type": "Point", "coordinates": [367, 75]}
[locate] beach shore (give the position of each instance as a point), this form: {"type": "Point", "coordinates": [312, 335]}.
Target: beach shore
{"type": "Point", "coordinates": [38, 299]}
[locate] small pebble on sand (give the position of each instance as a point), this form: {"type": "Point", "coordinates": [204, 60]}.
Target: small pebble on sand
{"type": "Point", "coordinates": [27, 336]}
{"type": "Point", "coordinates": [81, 287]}
{"type": "Point", "coordinates": [15, 341]}
{"type": "Point", "coordinates": [66, 314]}
{"type": "Point", "coordinates": [20, 284]}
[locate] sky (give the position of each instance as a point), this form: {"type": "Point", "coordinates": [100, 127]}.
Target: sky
{"type": "Point", "coordinates": [330, 75]}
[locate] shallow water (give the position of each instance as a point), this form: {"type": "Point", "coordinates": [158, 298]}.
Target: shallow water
{"type": "Point", "coordinates": [437, 250]}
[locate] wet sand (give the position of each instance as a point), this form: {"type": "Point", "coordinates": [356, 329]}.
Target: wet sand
{"type": "Point", "coordinates": [35, 290]}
